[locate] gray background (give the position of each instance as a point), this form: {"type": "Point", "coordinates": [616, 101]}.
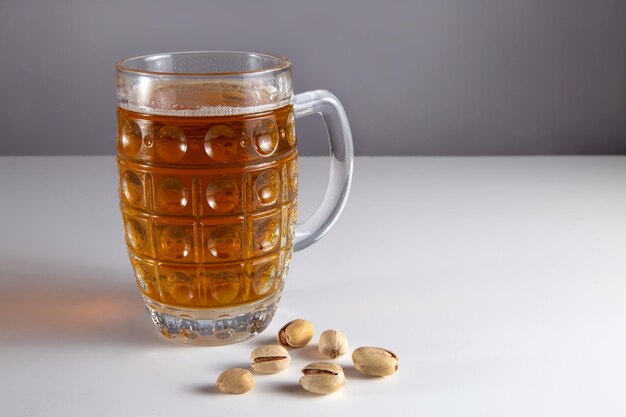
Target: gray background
{"type": "Point", "coordinates": [429, 77]}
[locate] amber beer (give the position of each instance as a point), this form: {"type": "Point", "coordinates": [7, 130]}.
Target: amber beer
{"type": "Point", "coordinates": [208, 183]}
{"type": "Point", "coordinates": [209, 204]}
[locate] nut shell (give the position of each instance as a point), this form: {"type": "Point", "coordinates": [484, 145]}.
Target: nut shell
{"type": "Point", "coordinates": [375, 361]}
{"type": "Point", "coordinates": [333, 343]}
{"type": "Point", "coordinates": [235, 381]}
{"type": "Point", "coordinates": [270, 359]}
{"type": "Point", "coordinates": [322, 378]}
{"type": "Point", "coordinates": [296, 333]}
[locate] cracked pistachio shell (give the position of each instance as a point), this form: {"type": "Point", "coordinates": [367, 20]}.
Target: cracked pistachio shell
{"type": "Point", "coordinates": [270, 359]}
{"type": "Point", "coordinates": [333, 343]}
{"type": "Point", "coordinates": [322, 378]}
{"type": "Point", "coordinates": [296, 333]}
{"type": "Point", "coordinates": [375, 361]}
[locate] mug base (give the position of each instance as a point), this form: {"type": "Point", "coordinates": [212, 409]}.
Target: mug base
{"type": "Point", "coordinates": [212, 327]}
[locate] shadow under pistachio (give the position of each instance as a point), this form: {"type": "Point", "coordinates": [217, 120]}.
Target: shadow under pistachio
{"type": "Point", "coordinates": [294, 388]}
{"type": "Point", "coordinates": [352, 373]}
{"type": "Point", "coordinates": [204, 389]}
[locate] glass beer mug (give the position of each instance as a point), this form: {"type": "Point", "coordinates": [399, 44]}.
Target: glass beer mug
{"type": "Point", "coordinates": [208, 172]}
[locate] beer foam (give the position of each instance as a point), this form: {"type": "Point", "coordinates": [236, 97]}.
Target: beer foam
{"type": "Point", "coordinates": [205, 111]}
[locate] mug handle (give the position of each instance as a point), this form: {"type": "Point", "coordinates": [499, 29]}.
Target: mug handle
{"type": "Point", "coordinates": [341, 162]}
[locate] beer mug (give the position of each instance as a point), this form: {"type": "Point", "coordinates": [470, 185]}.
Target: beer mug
{"type": "Point", "coordinates": [208, 184]}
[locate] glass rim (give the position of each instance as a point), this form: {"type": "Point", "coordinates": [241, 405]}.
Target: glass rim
{"type": "Point", "coordinates": [283, 64]}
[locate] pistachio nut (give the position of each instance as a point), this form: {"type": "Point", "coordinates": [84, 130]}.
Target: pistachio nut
{"type": "Point", "coordinates": [235, 381]}
{"type": "Point", "coordinates": [333, 343]}
{"type": "Point", "coordinates": [296, 333]}
{"type": "Point", "coordinates": [375, 361]}
{"type": "Point", "coordinates": [270, 359]}
{"type": "Point", "coordinates": [322, 378]}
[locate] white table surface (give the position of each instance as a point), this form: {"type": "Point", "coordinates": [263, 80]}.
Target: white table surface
{"type": "Point", "coordinates": [500, 283]}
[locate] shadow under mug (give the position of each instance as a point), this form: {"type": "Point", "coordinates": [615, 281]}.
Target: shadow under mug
{"type": "Point", "coordinates": [208, 175]}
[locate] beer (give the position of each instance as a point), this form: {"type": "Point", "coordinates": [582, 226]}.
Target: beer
{"type": "Point", "coordinates": [208, 176]}
{"type": "Point", "coordinates": [208, 204]}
